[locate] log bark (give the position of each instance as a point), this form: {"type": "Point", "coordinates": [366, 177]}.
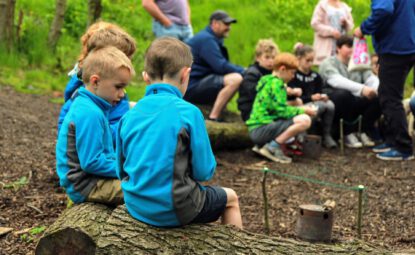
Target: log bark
{"type": "Point", "coordinates": [55, 29]}
{"type": "Point", "coordinates": [7, 22]}
{"type": "Point", "coordinates": [101, 231]}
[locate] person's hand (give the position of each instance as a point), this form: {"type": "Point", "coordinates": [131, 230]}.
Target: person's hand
{"type": "Point", "coordinates": [310, 110]}
{"type": "Point", "coordinates": [297, 92]}
{"type": "Point", "coordinates": [358, 32]}
{"type": "Point", "coordinates": [336, 34]}
{"type": "Point", "coordinates": [168, 23]}
{"type": "Point", "coordinates": [316, 97]}
{"type": "Point", "coordinates": [368, 92]}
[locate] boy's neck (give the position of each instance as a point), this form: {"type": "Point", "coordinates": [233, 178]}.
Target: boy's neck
{"type": "Point", "coordinates": [278, 75]}
{"type": "Point", "coordinates": [171, 82]}
{"type": "Point", "coordinates": [304, 71]}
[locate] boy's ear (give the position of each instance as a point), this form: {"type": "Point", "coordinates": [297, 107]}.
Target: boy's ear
{"type": "Point", "coordinates": [93, 80]}
{"type": "Point", "coordinates": [146, 78]}
{"type": "Point", "coordinates": [185, 74]}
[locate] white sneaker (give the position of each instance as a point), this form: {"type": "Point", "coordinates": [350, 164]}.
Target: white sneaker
{"type": "Point", "coordinates": [351, 141]}
{"type": "Point", "coordinates": [366, 141]}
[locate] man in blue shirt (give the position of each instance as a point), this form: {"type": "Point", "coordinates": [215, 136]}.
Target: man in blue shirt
{"type": "Point", "coordinates": [213, 79]}
{"type": "Point", "coordinates": [392, 26]}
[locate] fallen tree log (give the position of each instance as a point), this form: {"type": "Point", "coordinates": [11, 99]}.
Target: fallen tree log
{"type": "Point", "coordinates": [101, 232]}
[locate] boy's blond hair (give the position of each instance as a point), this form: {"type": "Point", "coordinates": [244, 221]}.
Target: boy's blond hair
{"type": "Point", "coordinates": [165, 58]}
{"type": "Point", "coordinates": [285, 59]}
{"type": "Point", "coordinates": [101, 34]}
{"type": "Point", "coordinates": [266, 46]}
{"type": "Point", "coordinates": [105, 62]}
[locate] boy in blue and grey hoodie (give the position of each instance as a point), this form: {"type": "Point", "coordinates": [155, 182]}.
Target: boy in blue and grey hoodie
{"type": "Point", "coordinates": [163, 149]}
{"type": "Point", "coordinates": [85, 155]}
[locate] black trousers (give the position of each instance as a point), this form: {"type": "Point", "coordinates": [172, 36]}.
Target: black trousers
{"type": "Point", "coordinates": [349, 107]}
{"type": "Point", "coordinates": [393, 71]}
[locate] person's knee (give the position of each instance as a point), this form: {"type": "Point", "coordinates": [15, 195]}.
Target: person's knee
{"type": "Point", "coordinates": [232, 197]}
{"type": "Point", "coordinates": [233, 79]}
{"type": "Point", "coordinates": [304, 120]}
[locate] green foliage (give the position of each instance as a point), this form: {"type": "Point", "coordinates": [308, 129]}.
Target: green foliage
{"type": "Point", "coordinates": [32, 67]}
{"type": "Point", "coordinates": [32, 234]}
{"type": "Point", "coordinates": [16, 185]}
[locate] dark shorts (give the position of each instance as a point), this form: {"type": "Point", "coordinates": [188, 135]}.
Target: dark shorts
{"type": "Point", "coordinates": [267, 133]}
{"type": "Point", "coordinates": [214, 206]}
{"type": "Point", "coordinates": [205, 90]}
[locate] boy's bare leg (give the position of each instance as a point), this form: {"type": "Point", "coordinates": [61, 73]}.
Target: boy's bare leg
{"type": "Point", "coordinates": [301, 123]}
{"type": "Point", "coordinates": [232, 213]}
{"type": "Point", "coordinates": [231, 84]}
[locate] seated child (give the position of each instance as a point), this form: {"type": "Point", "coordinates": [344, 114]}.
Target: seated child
{"type": "Point", "coordinates": [265, 52]}
{"type": "Point", "coordinates": [311, 83]}
{"type": "Point", "coordinates": [272, 122]}
{"type": "Point", "coordinates": [99, 35]}
{"type": "Point", "coordinates": [85, 156]}
{"type": "Point", "coordinates": [163, 149]}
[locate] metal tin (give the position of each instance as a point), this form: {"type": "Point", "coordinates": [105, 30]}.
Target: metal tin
{"type": "Point", "coordinates": [312, 146]}
{"type": "Point", "coordinates": [314, 223]}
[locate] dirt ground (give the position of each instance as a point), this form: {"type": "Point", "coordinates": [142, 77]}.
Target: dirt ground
{"type": "Point", "coordinates": [30, 196]}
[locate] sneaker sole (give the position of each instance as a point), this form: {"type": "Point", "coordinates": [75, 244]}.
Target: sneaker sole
{"type": "Point", "coordinates": [264, 152]}
{"type": "Point", "coordinates": [381, 150]}
{"type": "Point", "coordinates": [353, 146]}
{"type": "Point", "coordinates": [395, 158]}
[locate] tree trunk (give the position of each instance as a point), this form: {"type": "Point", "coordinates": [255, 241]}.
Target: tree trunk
{"type": "Point", "coordinates": [232, 135]}
{"type": "Point", "coordinates": [94, 229]}
{"type": "Point", "coordinates": [94, 11]}
{"type": "Point", "coordinates": [55, 29]}
{"type": "Point", "coordinates": [7, 22]}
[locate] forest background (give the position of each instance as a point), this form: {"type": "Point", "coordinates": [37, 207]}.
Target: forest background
{"type": "Point", "coordinates": [31, 63]}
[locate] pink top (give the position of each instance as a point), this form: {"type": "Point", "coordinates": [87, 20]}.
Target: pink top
{"type": "Point", "coordinates": [326, 19]}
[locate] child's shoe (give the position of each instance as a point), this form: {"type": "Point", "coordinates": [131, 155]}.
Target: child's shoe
{"type": "Point", "coordinates": [381, 148]}
{"type": "Point", "coordinates": [366, 140]}
{"type": "Point", "coordinates": [351, 141]}
{"type": "Point", "coordinates": [275, 154]}
{"type": "Point", "coordinates": [393, 154]}
{"type": "Point", "coordinates": [256, 149]}
{"type": "Point", "coordinates": [329, 142]}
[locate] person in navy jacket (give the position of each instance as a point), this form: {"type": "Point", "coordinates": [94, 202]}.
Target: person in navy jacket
{"type": "Point", "coordinates": [213, 79]}
{"type": "Point", "coordinates": [163, 149]}
{"type": "Point", "coordinates": [85, 155]}
{"type": "Point", "coordinates": [392, 27]}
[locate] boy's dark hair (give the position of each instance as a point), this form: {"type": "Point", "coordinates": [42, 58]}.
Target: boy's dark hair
{"type": "Point", "coordinates": [300, 50]}
{"type": "Point", "coordinates": [165, 57]}
{"type": "Point", "coordinates": [344, 40]}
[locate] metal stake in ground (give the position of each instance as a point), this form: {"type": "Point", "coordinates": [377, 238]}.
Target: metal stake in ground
{"type": "Point", "coordinates": [360, 189]}
{"type": "Point", "coordinates": [264, 194]}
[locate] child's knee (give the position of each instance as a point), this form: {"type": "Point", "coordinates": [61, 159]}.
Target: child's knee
{"type": "Point", "coordinates": [304, 120]}
{"type": "Point", "coordinates": [232, 197]}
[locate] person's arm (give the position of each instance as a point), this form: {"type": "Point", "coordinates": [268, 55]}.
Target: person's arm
{"type": "Point", "coordinates": [381, 11]}
{"type": "Point", "coordinates": [211, 53]}
{"type": "Point", "coordinates": [203, 160]}
{"type": "Point", "coordinates": [317, 23]}
{"type": "Point", "coordinates": [189, 11]}
{"type": "Point", "coordinates": [151, 7]}
{"type": "Point", "coordinates": [120, 155]}
{"type": "Point", "coordinates": [93, 159]}
{"type": "Point", "coordinates": [348, 22]}
{"type": "Point", "coordinates": [283, 110]}
{"type": "Point", "coordinates": [336, 80]}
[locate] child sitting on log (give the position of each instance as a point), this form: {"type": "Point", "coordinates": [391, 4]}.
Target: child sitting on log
{"type": "Point", "coordinates": [311, 85]}
{"type": "Point", "coordinates": [272, 122]}
{"type": "Point", "coordinates": [163, 149]}
{"type": "Point", "coordinates": [85, 156]}
{"type": "Point", "coordinates": [98, 35]}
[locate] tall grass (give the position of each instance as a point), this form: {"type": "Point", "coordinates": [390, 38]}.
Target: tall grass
{"type": "Point", "coordinates": [31, 66]}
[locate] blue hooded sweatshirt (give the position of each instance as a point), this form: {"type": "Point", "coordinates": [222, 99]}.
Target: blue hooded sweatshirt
{"type": "Point", "coordinates": [71, 92]}
{"type": "Point", "coordinates": [163, 151]}
{"type": "Point", "coordinates": [392, 26]}
{"type": "Point", "coordinates": [84, 150]}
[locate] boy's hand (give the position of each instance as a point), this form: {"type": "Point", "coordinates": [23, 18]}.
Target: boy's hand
{"type": "Point", "coordinates": [297, 92]}
{"type": "Point", "coordinates": [368, 92]}
{"type": "Point", "coordinates": [336, 34]}
{"type": "Point", "coordinates": [310, 110]}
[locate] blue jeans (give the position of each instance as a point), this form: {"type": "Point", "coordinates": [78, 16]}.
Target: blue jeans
{"type": "Point", "coordinates": [181, 32]}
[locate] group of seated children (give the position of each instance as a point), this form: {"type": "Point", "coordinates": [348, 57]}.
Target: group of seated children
{"type": "Point", "coordinates": [277, 106]}
{"type": "Point", "coordinates": [162, 148]}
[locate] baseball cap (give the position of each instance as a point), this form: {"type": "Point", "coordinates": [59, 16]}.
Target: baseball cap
{"type": "Point", "coordinates": [222, 16]}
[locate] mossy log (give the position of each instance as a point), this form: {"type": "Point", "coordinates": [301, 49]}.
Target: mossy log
{"type": "Point", "coordinates": [95, 229]}
{"type": "Point", "coordinates": [230, 134]}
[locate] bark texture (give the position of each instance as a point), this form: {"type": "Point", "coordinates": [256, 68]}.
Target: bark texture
{"type": "Point", "coordinates": [104, 232]}
{"type": "Point", "coordinates": [55, 29]}
{"type": "Point", "coordinates": [7, 31]}
{"type": "Point", "coordinates": [94, 11]}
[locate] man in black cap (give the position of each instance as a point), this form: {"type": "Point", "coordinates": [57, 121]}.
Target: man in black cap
{"type": "Point", "coordinates": [213, 79]}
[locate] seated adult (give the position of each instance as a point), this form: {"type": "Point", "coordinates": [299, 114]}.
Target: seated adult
{"type": "Point", "coordinates": [213, 79]}
{"type": "Point", "coordinates": [353, 94]}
